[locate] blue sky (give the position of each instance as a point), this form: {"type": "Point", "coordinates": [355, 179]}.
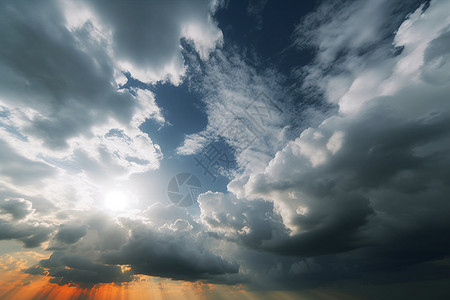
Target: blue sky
{"type": "Point", "coordinates": [182, 106]}
{"type": "Point", "coordinates": [210, 148]}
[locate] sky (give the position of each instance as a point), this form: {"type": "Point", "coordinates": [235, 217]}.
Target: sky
{"type": "Point", "coordinates": [225, 149]}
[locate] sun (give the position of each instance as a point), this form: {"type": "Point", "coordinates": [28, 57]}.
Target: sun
{"type": "Point", "coordinates": [117, 200]}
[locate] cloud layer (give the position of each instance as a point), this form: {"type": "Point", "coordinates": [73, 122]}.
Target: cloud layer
{"type": "Point", "coordinates": [360, 192]}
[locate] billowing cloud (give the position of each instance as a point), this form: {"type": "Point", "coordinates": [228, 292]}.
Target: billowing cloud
{"type": "Point", "coordinates": [250, 223]}
{"type": "Point", "coordinates": [372, 179]}
{"type": "Point", "coordinates": [174, 250]}
{"type": "Point", "coordinates": [360, 190]}
{"type": "Point", "coordinates": [71, 134]}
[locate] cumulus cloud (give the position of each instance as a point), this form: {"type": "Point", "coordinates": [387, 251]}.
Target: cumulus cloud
{"type": "Point", "coordinates": [365, 190]}
{"type": "Point", "coordinates": [362, 192]}
{"type": "Point", "coordinates": [60, 96]}
{"type": "Point", "coordinates": [372, 179]}
{"type": "Point", "coordinates": [163, 242]}
{"type": "Point", "coordinates": [250, 223]}
{"type": "Point", "coordinates": [71, 132]}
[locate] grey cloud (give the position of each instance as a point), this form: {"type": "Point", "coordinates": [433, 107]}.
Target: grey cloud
{"type": "Point", "coordinates": [375, 210]}
{"type": "Point", "coordinates": [174, 255]}
{"type": "Point", "coordinates": [174, 250]}
{"type": "Point", "coordinates": [159, 25]}
{"type": "Point", "coordinates": [70, 234]}
{"type": "Point", "coordinates": [45, 68]}
{"type": "Point", "coordinates": [21, 170]}
{"type": "Point", "coordinates": [18, 208]}
{"type": "Point", "coordinates": [347, 36]}
{"type": "Point", "coordinates": [161, 215]}
{"type": "Point", "coordinates": [346, 28]}
{"type": "Point", "coordinates": [66, 268]}
{"type": "Point", "coordinates": [39, 204]}
{"type": "Point", "coordinates": [363, 194]}
{"type": "Point", "coordinates": [32, 235]}
{"type": "Point", "coordinates": [34, 270]}
{"type": "Point", "coordinates": [437, 59]}
{"type": "Point", "coordinates": [382, 194]}
{"type": "Point", "coordinates": [250, 223]}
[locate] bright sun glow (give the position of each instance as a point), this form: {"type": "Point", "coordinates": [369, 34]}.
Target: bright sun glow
{"type": "Point", "coordinates": [117, 200]}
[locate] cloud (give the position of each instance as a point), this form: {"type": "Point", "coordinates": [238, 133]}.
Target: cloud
{"type": "Point", "coordinates": [368, 186]}
{"type": "Point", "coordinates": [62, 98]}
{"type": "Point", "coordinates": [245, 107]}
{"type": "Point", "coordinates": [176, 255]}
{"type": "Point", "coordinates": [19, 221]}
{"type": "Point", "coordinates": [13, 165]}
{"type": "Point", "coordinates": [250, 223]}
{"type": "Point", "coordinates": [18, 208]}
{"type": "Point", "coordinates": [70, 234]}
{"type": "Point", "coordinates": [31, 234]}
{"type": "Point", "coordinates": [162, 242]}
{"type": "Point", "coordinates": [363, 192]}
{"type": "Point", "coordinates": [64, 117]}
{"type": "Point", "coordinates": [354, 41]}
{"type": "Point", "coordinates": [65, 269]}
{"type": "Point", "coordinates": [160, 25]}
